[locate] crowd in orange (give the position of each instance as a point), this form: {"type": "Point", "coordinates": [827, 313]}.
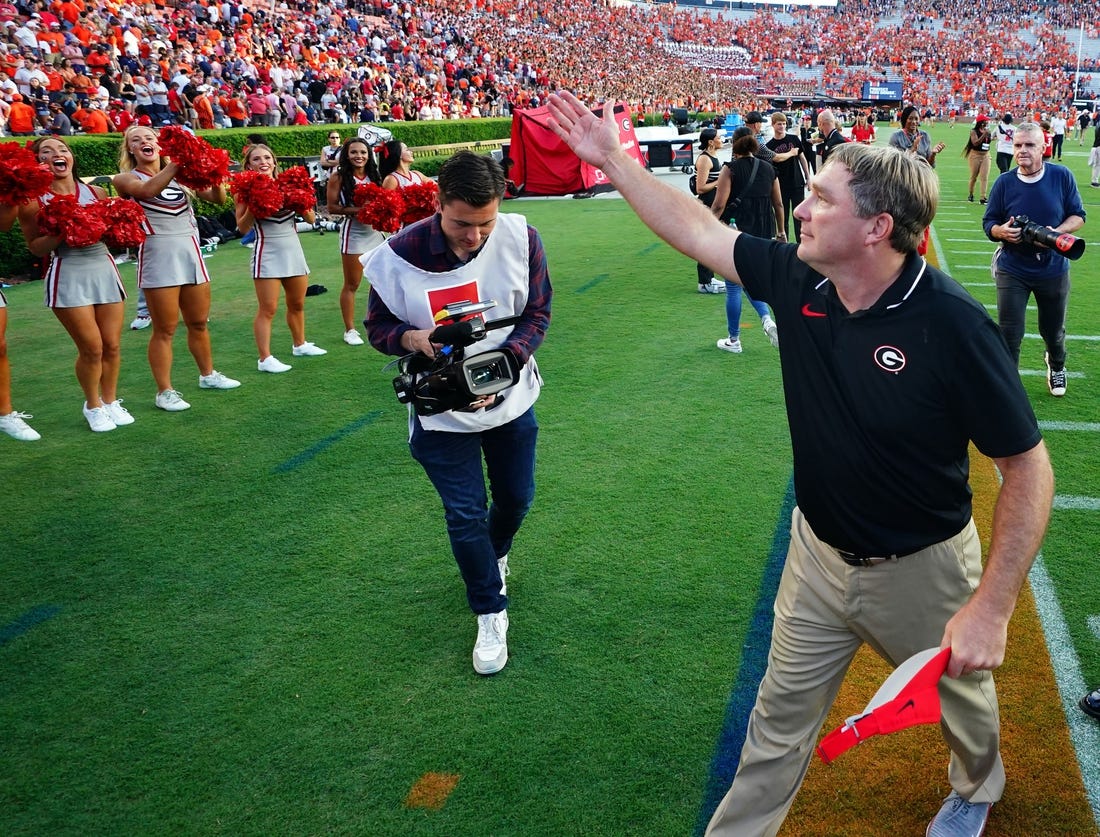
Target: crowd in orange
{"type": "Point", "coordinates": [104, 64]}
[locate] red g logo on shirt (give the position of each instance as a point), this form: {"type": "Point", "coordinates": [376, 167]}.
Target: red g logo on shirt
{"type": "Point", "coordinates": [889, 359]}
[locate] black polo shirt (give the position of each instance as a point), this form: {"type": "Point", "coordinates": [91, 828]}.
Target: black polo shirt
{"type": "Point", "coordinates": [882, 403]}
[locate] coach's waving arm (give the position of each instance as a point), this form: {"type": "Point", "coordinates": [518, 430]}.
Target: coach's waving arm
{"type": "Point", "coordinates": [675, 216]}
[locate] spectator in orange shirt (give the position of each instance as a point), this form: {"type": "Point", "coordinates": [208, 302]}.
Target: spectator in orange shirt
{"type": "Point", "coordinates": [204, 111]}
{"type": "Point", "coordinates": [91, 119]}
{"type": "Point", "coordinates": [51, 40]}
{"type": "Point", "coordinates": [21, 117]}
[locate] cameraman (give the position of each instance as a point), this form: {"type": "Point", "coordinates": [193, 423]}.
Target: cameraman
{"type": "Point", "coordinates": [1047, 194]}
{"type": "Point", "coordinates": [469, 251]}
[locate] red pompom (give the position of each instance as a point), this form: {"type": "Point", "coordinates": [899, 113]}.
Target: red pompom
{"type": "Point", "coordinates": [125, 223]}
{"type": "Point", "coordinates": [55, 216]}
{"type": "Point", "coordinates": [76, 225]}
{"type": "Point", "coordinates": [259, 192]}
{"type": "Point", "coordinates": [381, 208]}
{"type": "Point", "coordinates": [297, 188]}
{"type": "Point", "coordinates": [22, 177]}
{"type": "Point", "coordinates": [421, 201]}
{"type": "Point", "coordinates": [87, 227]}
{"type": "Point", "coordinates": [201, 166]}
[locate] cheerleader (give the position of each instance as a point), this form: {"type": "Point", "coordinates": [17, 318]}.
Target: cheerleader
{"type": "Point", "coordinates": [83, 289]}
{"type": "Point", "coordinates": [395, 167]}
{"type": "Point", "coordinates": [170, 268]}
{"type": "Point", "coordinates": [11, 422]}
{"type": "Point", "coordinates": [276, 260]}
{"type": "Point", "coordinates": [355, 166]}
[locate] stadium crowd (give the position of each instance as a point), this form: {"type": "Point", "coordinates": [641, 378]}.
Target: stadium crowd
{"type": "Point", "coordinates": [97, 65]}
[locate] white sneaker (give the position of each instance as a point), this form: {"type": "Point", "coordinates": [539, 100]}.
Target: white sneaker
{"type": "Point", "coordinates": [171, 401]}
{"type": "Point", "coordinates": [713, 287]}
{"type": "Point", "coordinates": [216, 380]}
{"type": "Point", "coordinates": [98, 419]}
{"type": "Point", "coordinates": [502, 565]}
{"type": "Point", "coordinates": [119, 414]}
{"type": "Point", "coordinates": [772, 330]}
{"type": "Point", "coordinates": [272, 364]}
{"type": "Point", "coordinates": [140, 322]}
{"type": "Point", "coordinates": [491, 648]}
{"type": "Point", "coordinates": [727, 345]}
{"type": "Point", "coordinates": [14, 426]}
{"type": "Point", "coordinates": [308, 350]}
{"type": "Point", "coordinates": [352, 338]}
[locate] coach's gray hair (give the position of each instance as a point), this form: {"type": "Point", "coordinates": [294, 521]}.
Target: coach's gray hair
{"type": "Point", "coordinates": [884, 179]}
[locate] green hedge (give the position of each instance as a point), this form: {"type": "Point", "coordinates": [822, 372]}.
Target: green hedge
{"type": "Point", "coordinates": [97, 155]}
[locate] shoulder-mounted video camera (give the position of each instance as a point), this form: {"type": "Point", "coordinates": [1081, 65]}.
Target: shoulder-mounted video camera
{"type": "Point", "coordinates": [1068, 245]}
{"type": "Point", "coordinates": [450, 380]}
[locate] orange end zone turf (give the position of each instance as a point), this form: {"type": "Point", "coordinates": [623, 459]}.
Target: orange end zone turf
{"type": "Point", "coordinates": [895, 784]}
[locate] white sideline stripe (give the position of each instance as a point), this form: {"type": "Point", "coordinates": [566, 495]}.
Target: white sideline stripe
{"type": "Point", "coordinates": [1084, 426]}
{"type": "Point", "coordinates": [1084, 732]}
{"type": "Point", "coordinates": [978, 284]}
{"type": "Point", "coordinates": [1091, 338]}
{"type": "Point", "coordinates": [1094, 626]}
{"type": "Point", "coordinates": [992, 306]}
{"type": "Point", "coordinates": [1070, 502]}
{"type": "Point", "coordinates": [1042, 373]}
{"type": "Point", "coordinates": [974, 266]}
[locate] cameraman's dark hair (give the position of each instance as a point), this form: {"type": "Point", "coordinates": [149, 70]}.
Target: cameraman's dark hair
{"type": "Point", "coordinates": [471, 178]}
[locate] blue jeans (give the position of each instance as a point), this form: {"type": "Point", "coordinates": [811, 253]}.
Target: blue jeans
{"type": "Point", "coordinates": [1051, 299]}
{"type": "Point", "coordinates": [733, 308]}
{"type": "Point", "coordinates": [481, 533]}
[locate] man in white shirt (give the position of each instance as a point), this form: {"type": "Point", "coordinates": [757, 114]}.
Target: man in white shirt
{"type": "Point", "coordinates": [1058, 133]}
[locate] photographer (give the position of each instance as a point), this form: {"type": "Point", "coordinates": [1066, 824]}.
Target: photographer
{"type": "Point", "coordinates": [1047, 194]}
{"type": "Point", "coordinates": [470, 251]}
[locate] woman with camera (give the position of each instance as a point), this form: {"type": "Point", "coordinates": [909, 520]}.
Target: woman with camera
{"type": "Point", "coordinates": [748, 194]}
{"type": "Point", "coordinates": [355, 166]}
{"type": "Point", "coordinates": [707, 170]}
{"type": "Point", "coordinates": [977, 155]}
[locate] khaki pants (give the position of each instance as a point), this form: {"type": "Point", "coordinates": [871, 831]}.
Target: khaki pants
{"type": "Point", "coordinates": [979, 168]}
{"type": "Point", "coordinates": [824, 611]}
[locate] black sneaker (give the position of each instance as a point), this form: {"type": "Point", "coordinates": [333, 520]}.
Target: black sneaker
{"type": "Point", "coordinates": [1090, 704]}
{"type": "Point", "coordinates": [1056, 379]}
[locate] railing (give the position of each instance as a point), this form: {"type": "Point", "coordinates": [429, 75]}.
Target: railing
{"type": "Point", "coordinates": [442, 150]}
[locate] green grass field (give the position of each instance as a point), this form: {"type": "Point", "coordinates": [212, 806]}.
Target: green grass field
{"type": "Point", "coordinates": [245, 619]}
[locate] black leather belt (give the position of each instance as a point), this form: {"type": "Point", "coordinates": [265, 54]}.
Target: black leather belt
{"type": "Point", "coordinates": [857, 559]}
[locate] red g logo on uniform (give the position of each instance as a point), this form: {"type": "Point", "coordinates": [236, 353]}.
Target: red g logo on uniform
{"type": "Point", "coordinates": [889, 359]}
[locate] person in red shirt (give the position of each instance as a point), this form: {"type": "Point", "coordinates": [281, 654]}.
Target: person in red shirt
{"type": "Point", "coordinates": [119, 117]}
{"type": "Point", "coordinates": [863, 131]}
{"type": "Point", "coordinates": [20, 117]}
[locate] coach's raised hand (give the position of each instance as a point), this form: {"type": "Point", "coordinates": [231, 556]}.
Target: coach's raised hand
{"type": "Point", "coordinates": [593, 139]}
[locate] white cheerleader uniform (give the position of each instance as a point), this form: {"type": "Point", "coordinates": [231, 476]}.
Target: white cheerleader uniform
{"type": "Point", "coordinates": [356, 237]}
{"type": "Point", "coordinates": [278, 252]}
{"type": "Point", "coordinates": [170, 255]}
{"type": "Point", "coordinates": [79, 276]}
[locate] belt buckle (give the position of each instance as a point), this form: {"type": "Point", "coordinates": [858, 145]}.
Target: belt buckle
{"type": "Point", "coordinates": [853, 560]}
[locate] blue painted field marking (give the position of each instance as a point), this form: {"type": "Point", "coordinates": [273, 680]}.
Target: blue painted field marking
{"type": "Point", "coordinates": [31, 619]}
{"type": "Point", "coordinates": [754, 660]}
{"type": "Point", "coordinates": [323, 445]}
{"type": "Point", "coordinates": [593, 282]}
